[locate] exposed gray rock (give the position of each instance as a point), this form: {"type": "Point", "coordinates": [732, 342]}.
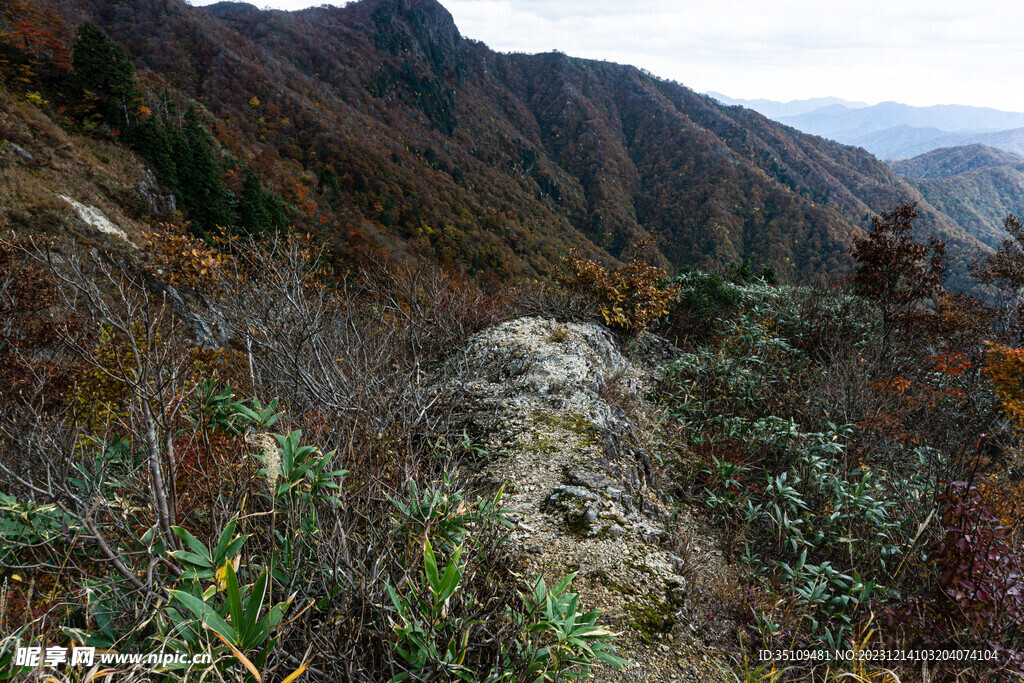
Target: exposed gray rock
{"type": "Point", "coordinates": [21, 151]}
{"type": "Point", "coordinates": [160, 203]}
{"type": "Point", "coordinates": [678, 589]}
{"type": "Point", "coordinates": [578, 472]}
{"type": "Point", "coordinates": [95, 219]}
{"type": "Point", "coordinates": [209, 329]}
{"type": "Point", "coordinates": [562, 494]}
{"type": "Point", "coordinates": [590, 479]}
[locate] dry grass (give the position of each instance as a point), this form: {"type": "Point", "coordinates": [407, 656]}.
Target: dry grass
{"type": "Point", "coordinates": [94, 172]}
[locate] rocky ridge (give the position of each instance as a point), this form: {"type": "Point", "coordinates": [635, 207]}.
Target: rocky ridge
{"type": "Point", "coordinates": [570, 436]}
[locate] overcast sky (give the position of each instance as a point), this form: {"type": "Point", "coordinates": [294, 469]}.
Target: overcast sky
{"type": "Point", "coordinates": [914, 51]}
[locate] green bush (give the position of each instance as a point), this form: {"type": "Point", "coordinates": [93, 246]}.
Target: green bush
{"type": "Point", "coordinates": [702, 298]}
{"type": "Point", "coordinates": [753, 402]}
{"type": "Point", "coordinates": [557, 642]}
{"type": "Point", "coordinates": [437, 611]}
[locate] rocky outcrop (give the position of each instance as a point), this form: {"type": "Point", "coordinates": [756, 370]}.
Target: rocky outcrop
{"type": "Point", "coordinates": [561, 411]}
{"type": "Point", "coordinates": [95, 219]}
{"type": "Point", "coordinates": [159, 202]}
{"type": "Point", "coordinates": [18, 150]}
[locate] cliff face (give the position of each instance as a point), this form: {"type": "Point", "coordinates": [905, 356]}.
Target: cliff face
{"type": "Point", "coordinates": [572, 439]}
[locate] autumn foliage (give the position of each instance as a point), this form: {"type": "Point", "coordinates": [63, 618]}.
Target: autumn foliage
{"type": "Point", "coordinates": [630, 297]}
{"type": "Point", "coordinates": [895, 270]}
{"type": "Point", "coordinates": [859, 446]}
{"type": "Point", "coordinates": [35, 48]}
{"type": "Point", "coordinates": [1004, 367]}
{"type": "Point", "coordinates": [149, 414]}
{"type": "Point", "coordinates": [31, 328]}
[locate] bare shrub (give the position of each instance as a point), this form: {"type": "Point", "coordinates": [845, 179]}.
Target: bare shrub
{"type": "Point", "coordinates": [241, 424]}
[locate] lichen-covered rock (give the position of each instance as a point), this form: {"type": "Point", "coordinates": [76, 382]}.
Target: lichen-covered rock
{"type": "Point", "coordinates": [549, 402]}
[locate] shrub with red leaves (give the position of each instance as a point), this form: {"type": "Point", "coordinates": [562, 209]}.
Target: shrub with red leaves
{"type": "Point", "coordinates": [974, 596]}
{"type": "Point", "coordinates": [977, 569]}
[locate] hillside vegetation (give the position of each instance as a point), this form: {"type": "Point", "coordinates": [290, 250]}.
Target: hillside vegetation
{"type": "Point", "coordinates": [975, 185]}
{"type": "Point", "coordinates": [953, 161]}
{"type": "Point", "coordinates": [293, 307]}
{"type": "Point", "coordinates": [299, 499]}
{"type": "Point", "coordinates": [379, 123]}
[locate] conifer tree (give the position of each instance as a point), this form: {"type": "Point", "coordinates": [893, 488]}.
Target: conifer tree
{"type": "Point", "coordinates": [199, 177]}
{"type": "Point", "coordinates": [104, 70]}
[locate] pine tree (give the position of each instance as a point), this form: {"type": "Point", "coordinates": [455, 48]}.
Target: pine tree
{"type": "Point", "coordinates": [104, 70]}
{"type": "Point", "coordinates": [155, 141]}
{"type": "Point", "coordinates": [253, 213]}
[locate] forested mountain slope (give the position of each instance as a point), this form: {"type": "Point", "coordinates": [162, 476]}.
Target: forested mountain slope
{"type": "Point", "coordinates": [379, 122]}
{"type": "Point", "coordinates": [975, 185]}
{"type": "Point", "coordinates": [953, 161]}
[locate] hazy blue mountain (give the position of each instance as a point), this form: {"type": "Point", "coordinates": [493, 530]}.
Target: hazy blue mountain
{"type": "Point", "coordinates": [891, 130]}
{"type": "Point", "coordinates": [775, 110]}
{"type": "Point", "coordinates": [849, 124]}
{"type": "Point", "coordinates": [904, 142]}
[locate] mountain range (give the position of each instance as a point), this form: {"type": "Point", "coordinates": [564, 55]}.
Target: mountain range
{"type": "Point", "coordinates": [378, 123]}
{"type": "Point", "coordinates": [903, 142]}
{"type": "Point", "coordinates": [845, 123]}
{"type": "Point", "coordinates": [776, 110]}
{"type": "Point", "coordinates": [891, 130]}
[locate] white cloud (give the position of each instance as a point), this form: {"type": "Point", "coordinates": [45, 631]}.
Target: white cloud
{"type": "Point", "coordinates": [873, 50]}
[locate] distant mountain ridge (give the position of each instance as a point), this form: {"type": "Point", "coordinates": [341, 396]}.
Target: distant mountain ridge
{"type": "Point", "coordinates": [774, 110]}
{"type": "Point", "coordinates": [891, 130]}
{"type": "Point", "coordinates": [952, 161]}
{"type": "Point", "coordinates": [894, 131]}
{"type": "Point", "coordinates": [847, 124]}
{"type": "Point", "coordinates": [904, 143]}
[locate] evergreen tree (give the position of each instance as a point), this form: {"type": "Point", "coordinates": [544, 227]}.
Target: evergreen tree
{"type": "Point", "coordinates": [253, 213]}
{"type": "Point", "coordinates": [155, 141]}
{"type": "Point", "coordinates": [104, 70]}
{"type": "Point", "coordinates": [329, 184]}
{"type": "Point", "coordinates": [201, 187]}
